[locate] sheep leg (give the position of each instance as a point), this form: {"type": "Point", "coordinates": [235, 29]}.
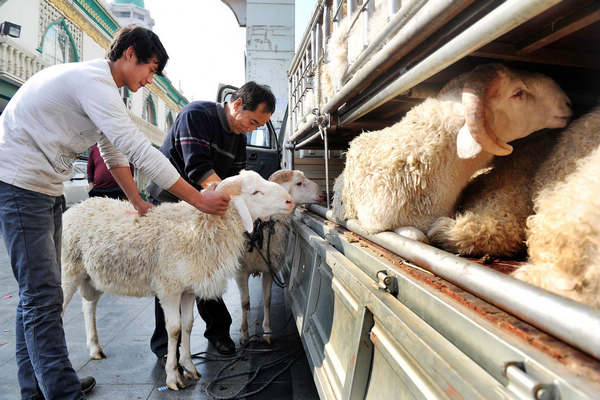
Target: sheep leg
{"type": "Point", "coordinates": [242, 282]}
{"type": "Point", "coordinates": [187, 320]}
{"type": "Point", "coordinates": [69, 286]}
{"type": "Point", "coordinates": [89, 303]}
{"type": "Point", "coordinates": [267, 285]}
{"type": "Point", "coordinates": [171, 306]}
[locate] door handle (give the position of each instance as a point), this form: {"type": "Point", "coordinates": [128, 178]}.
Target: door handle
{"type": "Point", "coordinates": [252, 157]}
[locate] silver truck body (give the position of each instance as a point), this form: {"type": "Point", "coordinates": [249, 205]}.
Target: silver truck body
{"type": "Point", "coordinates": [383, 317]}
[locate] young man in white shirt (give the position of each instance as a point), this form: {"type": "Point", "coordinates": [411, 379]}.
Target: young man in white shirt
{"type": "Point", "coordinates": [59, 112]}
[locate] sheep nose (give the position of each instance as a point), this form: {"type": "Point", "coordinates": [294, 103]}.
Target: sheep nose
{"type": "Point", "coordinates": [290, 203]}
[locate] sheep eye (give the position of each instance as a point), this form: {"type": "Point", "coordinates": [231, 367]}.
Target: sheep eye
{"type": "Point", "coordinates": [519, 94]}
{"type": "Point", "coordinates": [299, 184]}
{"type": "Point", "coordinates": [257, 192]}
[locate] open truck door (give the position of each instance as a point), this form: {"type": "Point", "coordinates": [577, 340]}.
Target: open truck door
{"type": "Point", "coordinates": [263, 153]}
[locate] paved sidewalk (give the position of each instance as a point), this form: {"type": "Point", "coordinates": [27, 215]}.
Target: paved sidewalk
{"type": "Point", "coordinates": [131, 371]}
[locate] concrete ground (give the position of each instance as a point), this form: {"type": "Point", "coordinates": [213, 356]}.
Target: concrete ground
{"type": "Point", "coordinates": [131, 370]}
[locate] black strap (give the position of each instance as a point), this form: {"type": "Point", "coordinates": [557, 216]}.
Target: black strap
{"type": "Point", "coordinates": [257, 241]}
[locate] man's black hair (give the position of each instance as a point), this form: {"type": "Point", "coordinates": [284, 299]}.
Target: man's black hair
{"type": "Point", "coordinates": [252, 94]}
{"type": "Point", "coordinates": [145, 43]}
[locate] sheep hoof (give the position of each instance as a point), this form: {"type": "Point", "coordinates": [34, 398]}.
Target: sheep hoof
{"type": "Point", "coordinates": [172, 386]}
{"type": "Point", "coordinates": [267, 337]}
{"type": "Point", "coordinates": [174, 381]}
{"type": "Point", "coordinates": [99, 355]}
{"type": "Point", "coordinates": [244, 338]}
{"type": "Point", "coordinates": [191, 374]}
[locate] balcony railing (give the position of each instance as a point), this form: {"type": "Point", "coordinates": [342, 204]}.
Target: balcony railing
{"type": "Point", "coordinates": [17, 64]}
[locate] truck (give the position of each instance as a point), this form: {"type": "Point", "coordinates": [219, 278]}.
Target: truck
{"type": "Point", "coordinates": [383, 317]}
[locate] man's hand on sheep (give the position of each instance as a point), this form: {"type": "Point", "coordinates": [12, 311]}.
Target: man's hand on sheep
{"type": "Point", "coordinates": [213, 202]}
{"type": "Point", "coordinates": [208, 201]}
{"type": "Point", "coordinates": [141, 206]}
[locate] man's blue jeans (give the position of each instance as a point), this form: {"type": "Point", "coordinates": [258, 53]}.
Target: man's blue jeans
{"type": "Point", "coordinates": [31, 226]}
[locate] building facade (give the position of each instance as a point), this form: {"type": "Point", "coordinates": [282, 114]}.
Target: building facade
{"type": "Point", "coordinates": [131, 12]}
{"type": "Point", "coordinates": [58, 31]}
{"type": "Point", "coordinates": [269, 45]}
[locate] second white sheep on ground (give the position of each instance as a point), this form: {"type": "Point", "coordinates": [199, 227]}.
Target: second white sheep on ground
{"type": "Point", "coordinates": [303, 191]}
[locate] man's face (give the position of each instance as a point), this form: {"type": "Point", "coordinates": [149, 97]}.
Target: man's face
{"type": "Point", "coordinates": [243, 121]}
{"type": "Point", "coordinates": [138, 75]}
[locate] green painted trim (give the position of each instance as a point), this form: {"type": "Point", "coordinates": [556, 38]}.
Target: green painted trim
{"type": "Point", "coordinates": [98, 14]}
{"type": "Point", "coordinates": [7, 89]}
{"type": "Point", "coordinates": [171, 92]}
{"type": "Point", "coordinates": [64, 25]}
{"type": "Point", "coordinates": [139, 3]}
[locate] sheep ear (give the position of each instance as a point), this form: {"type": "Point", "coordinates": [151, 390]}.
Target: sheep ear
{"type": "Point", "coordinates": [283, 175]}
{"type": "Point", "coordinates": [242, 209]}
{"type": "Point", "coordinates": [466, 145]}
{"type": "Point", "coordinates": [231, 186]}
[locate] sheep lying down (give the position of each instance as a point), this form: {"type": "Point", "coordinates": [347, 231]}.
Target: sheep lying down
{"type": "Point", "coordinates": [554, 208]}
{"type": "Point", "coordinates": [408, 175]}
{"type": "Point", "coordinates": [175, 253]}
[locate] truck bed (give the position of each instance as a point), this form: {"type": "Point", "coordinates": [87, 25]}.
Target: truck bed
{"type": "Point", "coordinates": [342, 312]}
{"type": "Point", "coordinates": [436, 332]}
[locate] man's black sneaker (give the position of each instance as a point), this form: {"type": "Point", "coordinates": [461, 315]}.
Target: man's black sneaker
{"type": "Point", "coordinates": [87, 385]}
{"type": "Point", "coordinates": [224, 345]}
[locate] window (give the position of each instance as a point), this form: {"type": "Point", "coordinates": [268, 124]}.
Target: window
{"type": "Point", "coordinates": [149, 112]}
{"type": "Point", "coordinates": [122, 14]}
{"type": "Point", "coordinates": [58, 46]}
{"type": "Point", "coordinates": [169, 121]}
{"type": "Point", "coordinates": [125, 96]}
{"type": "Point", "coordinates": [139, 16]}
{"type": "Point", "coordinates": [259, 137]}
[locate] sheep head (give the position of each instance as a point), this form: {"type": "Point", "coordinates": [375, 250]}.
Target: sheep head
{"type": "Point", "coordinates": [254, 197]}
{"type": "Point", "coordinates": [302, 189]}
{"type": "Point", "coordinates": [502, 105]}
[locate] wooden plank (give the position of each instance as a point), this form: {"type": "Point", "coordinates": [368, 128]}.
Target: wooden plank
{"type": "Point", "coordinates": [508, 52]}
{"type": "Point", "coordinates": [563, 28]}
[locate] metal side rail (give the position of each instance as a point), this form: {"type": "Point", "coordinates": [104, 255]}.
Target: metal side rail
{"type": "Point", "coordinates": [350, 315]}
{"type": "Point", "coordinates": [568, 320]}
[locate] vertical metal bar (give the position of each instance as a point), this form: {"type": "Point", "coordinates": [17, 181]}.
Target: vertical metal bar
{"type": "Point", "coordinates": [367, 14]}
{"type": "Point", "coordinates": [326, 27]}
{"type": "Point", "coordinates": [351, 8]}
{"type": "Point", "coordinates": [326, 155]}
{"type": "Point", "coordinates": [394, 6]}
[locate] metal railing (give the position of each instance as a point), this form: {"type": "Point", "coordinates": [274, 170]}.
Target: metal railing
{"type": "Point", "coordinates": [17, 64]}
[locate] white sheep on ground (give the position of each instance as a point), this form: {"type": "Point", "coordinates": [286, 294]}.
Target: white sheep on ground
{"type": "Point", "coordinates": [303, 191]}
{"type": "Point", "coordinates": [410, 174]}
{"type": "Point", "coordinates": [175, 253]}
